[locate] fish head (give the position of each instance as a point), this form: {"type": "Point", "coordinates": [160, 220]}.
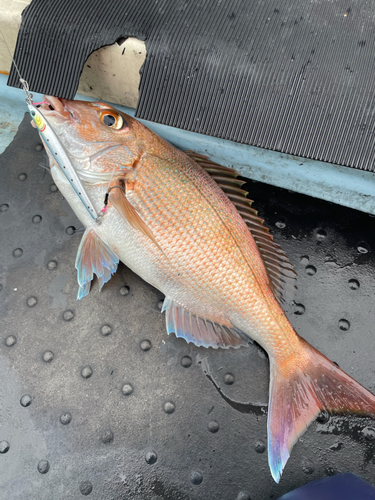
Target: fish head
{"type": "Point", "coordinates": [96, 136]}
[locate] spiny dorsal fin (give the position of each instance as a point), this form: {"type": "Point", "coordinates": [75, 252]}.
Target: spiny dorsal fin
{"type": "Point", "coordinates": [279, 269]}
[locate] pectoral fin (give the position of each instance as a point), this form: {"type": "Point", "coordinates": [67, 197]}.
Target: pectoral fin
{"type": "Point", "coordinates": [123, 206]}
{"type": "Point", "coordinates": [94, 257]}
{"type": "Point", "coordinates": [200, 331]}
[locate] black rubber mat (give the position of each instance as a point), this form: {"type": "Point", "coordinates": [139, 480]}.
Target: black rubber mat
{"type": "Point", "coordinates": [293, 76]}
{"type": "Point", "coordinates": [97, 400]}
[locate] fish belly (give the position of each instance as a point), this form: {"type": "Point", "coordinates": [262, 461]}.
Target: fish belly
{"type": "Point", "coordinates": [209, 264]}
{"type": "Point", "coordinates": [113, 230]}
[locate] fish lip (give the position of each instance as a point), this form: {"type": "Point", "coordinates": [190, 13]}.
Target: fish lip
{"type": "Point", "coordinates": [54, 107]}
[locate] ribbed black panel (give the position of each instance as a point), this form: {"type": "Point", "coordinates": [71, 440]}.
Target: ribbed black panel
{"type": "Point", "coordinates": [293, 76]}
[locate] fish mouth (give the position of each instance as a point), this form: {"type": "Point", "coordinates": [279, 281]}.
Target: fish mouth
{"type": "Point", "coordinates": [55, 107]}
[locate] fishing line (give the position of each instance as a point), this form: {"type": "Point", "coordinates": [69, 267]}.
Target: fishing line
{"type": "Point", "coordinates": [25, 85]}
{"type": "Point", "coordinates": [110, 180]}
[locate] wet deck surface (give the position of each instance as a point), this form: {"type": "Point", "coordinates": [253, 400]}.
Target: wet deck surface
{"type": "Point", "coordinates": [96, 400]}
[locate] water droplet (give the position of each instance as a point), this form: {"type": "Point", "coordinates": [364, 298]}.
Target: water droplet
{"type": "Point", "coordinates": [354, 284]}
{"type": "Point", "coordinates": [48, 356]}
{"type": "Point", "coordinates": [310, 270]}
{"type": "Point", "coordinates": [66, 418]}
{"type": "Point", "coordinates": [22, 177]}
{"type": "Point", "coordinates": [52, 264]}
{"type": "Point", "coordinates": [229, 378]}
{"type": "Point", "coordinates": [68, 315]}
{"type": "Point", "coordinates": [32, 301]}
{"type": "Point", "coordinates": [336, 446]}
{"type": "Point", "coordinates": [36, 219]}
{"type": "Point", "coordinates": [10, 341]}
{"type": "Point", "coordinates": [106, 330]}
{"type": "Point", "coordinates": [307, 465]}
{"type": "Point", "coordinates": [38, 147]}
{"type": "Point", "coordinates": [213, 426]}
{"type": "Point", "coordinates": [70, 230]}
{"type": "Point", "coordinates": [242, 495]}
{"type": "Point", "coordinates": [321, 234]}
{"type": "Point", "coordinates": [304, 260]}
{"type": "Point", "coordinates": [17, 252]}
{"type": "Point", "coordinates": [43, 466]}
{"type": "Point", "coordinates": [86, 372]}
{"type": "Point", "coordinates": [186, 361]}
{"type": "Point", "coordinates": [145, 345]}
{"type": "Point", "coordinates": [363, 247]}
{"type": "Point", "coordinates": [106, 437]}
{"type": "Point", "coordinates": [4, 446]}
{"type": "Point", "coordinates": [124, 290]}
{"type": "Point", "coordinates": [298, 309]}
{"type": "Point", "coordinates": [127, 389]}
{"type": "Point", "coordinates": [196, 477]}
{"type": "Point", "coordinates": [25, 401]}
{"type": "Point", "coordinates": [344, 325]}
{"type": "Point", "coordinates": [4, 207]}
{"type": "Point", "coordinates": [280, 224]}
{"type": "Point", "coordinates": [53, 188]}
{"type": "Point", "coordinates": [261, 352]}
{"type": "Point", "coordinates": [260, 446]}
{"type": "Point", "coordinates": [151, 457]}
{"type": "Point", "coordinates": [369, 433]}
{"type": "Point", "coordinates": [323, 417]}
{"type": "Point", "coordinates": [85, 488]}
{"type": "Point", "coordinates": [169, 407]}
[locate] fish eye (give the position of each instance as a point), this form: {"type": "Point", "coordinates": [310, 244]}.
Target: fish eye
{"type": "Point", "coordinates": [109, 120]}
{"type": "Point", "coordinates": [112, 120]}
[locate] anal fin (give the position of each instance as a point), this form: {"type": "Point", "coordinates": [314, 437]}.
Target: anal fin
{"type": "Point", "coordinates": [200, 331]}
{"type": "Point", "coordinates": [94, 257]}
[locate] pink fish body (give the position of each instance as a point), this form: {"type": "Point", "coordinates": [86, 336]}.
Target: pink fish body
{"type": "Point", "coordinates": [189, 231]}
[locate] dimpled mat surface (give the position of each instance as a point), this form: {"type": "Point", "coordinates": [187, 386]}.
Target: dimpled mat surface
{"type": "Point", "coordinates": [96, 400]}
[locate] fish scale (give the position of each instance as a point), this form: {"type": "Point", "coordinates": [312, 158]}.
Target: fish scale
{"type": "Point", "coordinates": [172, 224]}
{"type": "Point", "coordinates": [215, 255]}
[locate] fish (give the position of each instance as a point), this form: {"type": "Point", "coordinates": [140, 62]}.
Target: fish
{"type": "Point", "coordinates": [185, 225]}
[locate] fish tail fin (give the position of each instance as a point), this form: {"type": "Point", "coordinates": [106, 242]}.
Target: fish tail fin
{"type": "Point", "coordinates": [299, 391]}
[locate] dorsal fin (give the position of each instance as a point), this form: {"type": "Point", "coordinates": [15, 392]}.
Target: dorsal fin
{"type": "Point", "coordinates": [279, 269]}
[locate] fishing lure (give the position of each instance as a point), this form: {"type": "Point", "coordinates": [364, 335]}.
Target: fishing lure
{"type": "Point", "coordinates": [61, 157]}
{"type": "Point", "coordinates": [55, 147]}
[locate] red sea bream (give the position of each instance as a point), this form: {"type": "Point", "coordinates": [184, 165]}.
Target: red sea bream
{"type": "Point", "coordinates": [186, 227]}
